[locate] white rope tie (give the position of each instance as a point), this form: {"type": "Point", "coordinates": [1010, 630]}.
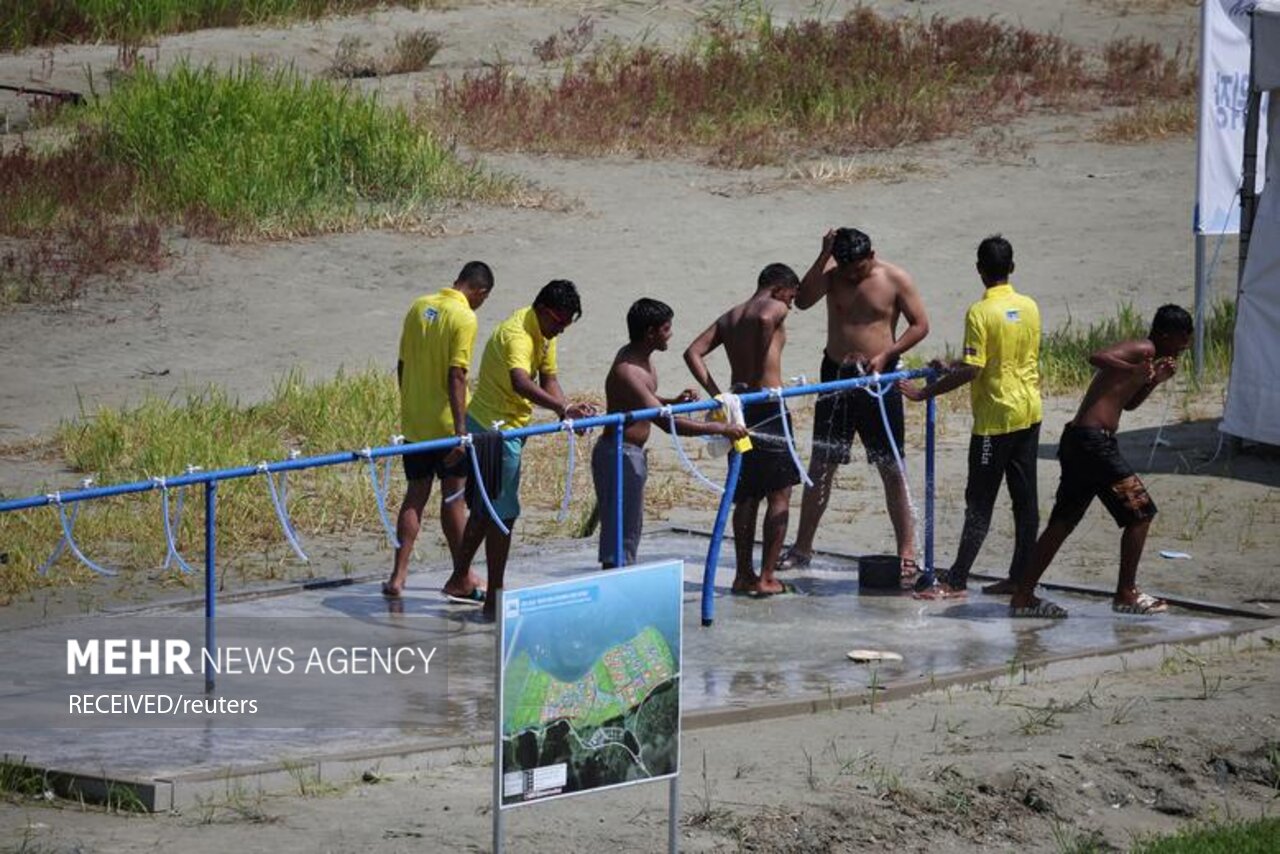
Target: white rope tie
{"type": "Point", "coordinates": [278, 499]}
{"type": "Point", "coordinates": [171, 546]}
{"type": "Point", "coordinates": [688, 463]}
{"type": "Point", "coordinates": [567, 426]}
{"type": "Point", "coordinates": [68, 540]}
{"type": "Point", "coordinates": [879, 393]}
{"type": "Point", "coordinates": [480, 487]}
{"type": "Point", "coordinates": [380, 490]}
{"type": "Point", "coordinates": [786, 431]}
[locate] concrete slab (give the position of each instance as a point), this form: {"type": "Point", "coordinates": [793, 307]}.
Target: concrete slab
{"type": "Point", "coordinates": [781, 653]}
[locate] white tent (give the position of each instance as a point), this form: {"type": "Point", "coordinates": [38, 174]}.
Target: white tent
{"type": "Point", "coordinates": [1253, 395]}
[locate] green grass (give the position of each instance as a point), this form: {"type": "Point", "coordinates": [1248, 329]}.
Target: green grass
{"type": "Point", "coordinates": [241, 154]}
{"type": "Point", "coordinates": [1250, 837]}
{"type": "Point", "coordinates": [266, 152]}
{"type": "Point", "coordinates": [748, 91]}
{"type": "Point", "coordinates": [24, 23]}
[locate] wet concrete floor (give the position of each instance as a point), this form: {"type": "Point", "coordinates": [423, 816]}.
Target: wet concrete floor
{"type": "Point", "coordinates": [757, 651]}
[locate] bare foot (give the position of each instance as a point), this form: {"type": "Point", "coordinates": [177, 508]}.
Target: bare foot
{"type": "Point", "coordinates": [391, 591]}
{"type": "Point", "coordinates": [770, 587]}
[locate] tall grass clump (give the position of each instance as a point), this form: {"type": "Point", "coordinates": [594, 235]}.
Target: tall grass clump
{"type": "Point", "coordinates": [1150, 121]}
{"type": "Point", "coordinates": [261, 151]}
{"type": "Point", "coordinates": [24, 23]}
{"type": "Point", "coordinates": [239, 154]}
{"type": "Point", "coordinates": [748, 93]}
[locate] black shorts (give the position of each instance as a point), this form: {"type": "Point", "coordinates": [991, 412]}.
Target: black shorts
{"type": "Point", "coordinates": [839, 416]}
{"type": "Point", "coordinates": [1092, 466]}
{"type": "Point", "coordinates": [428, 464]}
{"type": "Point", "coordinates": [768, 466]}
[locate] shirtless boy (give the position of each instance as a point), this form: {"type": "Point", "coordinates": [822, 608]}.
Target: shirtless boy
{"type": "Point", "coordinates": [865, 298]}
{"type": "Point", "coordinates": [753, 336]}
{"type": "Point", "coordinates": [1093, 466]}
{"type": "Point", "coordinates": [632, 383]}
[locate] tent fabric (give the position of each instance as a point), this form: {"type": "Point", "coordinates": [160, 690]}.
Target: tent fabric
{"type": "Point", "coordinates": [1266, 63]}
{"type": "Point", "coordinates": [1253, 394]}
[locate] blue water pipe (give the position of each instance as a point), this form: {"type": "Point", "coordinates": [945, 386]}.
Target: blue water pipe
{"type": "Point", "coordinates": [210, 479]}
{"type": "Point", "coordinates": [717, 536]}
{"type": "Point", "coordinates": [619, 551]}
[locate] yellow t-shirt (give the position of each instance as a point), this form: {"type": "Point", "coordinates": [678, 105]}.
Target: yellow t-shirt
{"type": "Point", "coordinates": [439, 333]}
{"type": "Point", "coordinates": [517, 342]}
{"type": "Point", "coordinates": [1002, 337]}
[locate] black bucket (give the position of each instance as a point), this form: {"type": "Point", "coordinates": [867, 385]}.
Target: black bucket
{"type": "Point", "coordinates": [879, 572]}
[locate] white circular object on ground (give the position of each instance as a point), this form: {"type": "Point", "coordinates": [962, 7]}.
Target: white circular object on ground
{"type": "Point", "coordinates": [864, 655]}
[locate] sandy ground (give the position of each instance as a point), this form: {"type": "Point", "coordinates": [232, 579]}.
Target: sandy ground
{"type": "Point", "coordinates": [1093, 225]}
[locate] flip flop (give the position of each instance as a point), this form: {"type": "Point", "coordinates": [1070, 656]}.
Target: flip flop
{"type": "Point", "coordinates": [939, 591]}
{"type": "Point", "coordinates": [787, 590]}
{"type": "Point", "coordinates": [475, 597]}
{"type": "Point", "coordinates": [1145, 605]}
{"type": "Point", "coordinates": [1043, 608]}
{"type": "Point", "coordinates": [792, 559]}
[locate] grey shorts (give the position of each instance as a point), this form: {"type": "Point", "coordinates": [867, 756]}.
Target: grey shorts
{"type": "Point", "coordinates": [635, 470]}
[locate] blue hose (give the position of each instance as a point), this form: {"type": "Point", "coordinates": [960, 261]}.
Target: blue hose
{"type": "Point", "coordinates": [717, 535]}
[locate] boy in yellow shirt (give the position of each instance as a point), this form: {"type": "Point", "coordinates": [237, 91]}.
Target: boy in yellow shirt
{"type": "Point", "coordinates": [1001, 368]}
{"type": "Point", "coordinates": [517, 371]}
{"type": "Point", "coordinates": [436, 341]}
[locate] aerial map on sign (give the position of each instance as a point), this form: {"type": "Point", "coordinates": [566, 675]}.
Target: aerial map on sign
{"type": "Point", "coordinates": [585, 707]}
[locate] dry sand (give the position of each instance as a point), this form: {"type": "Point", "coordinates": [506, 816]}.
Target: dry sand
{"type": "Point", "coordinates": [1093, 225]}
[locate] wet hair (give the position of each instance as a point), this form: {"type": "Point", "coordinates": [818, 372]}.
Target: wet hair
{"type": "Point", "coordinates": [1171, 320]}
{"type": "Point", "coordinates": [777, 276]}
{"type": "Point", "coordinates": [561, 296]}
{"type": "Point", "coordinates": [850, 246]}
{"type": "Point", "coordinates": [646, 314]}
{"type": "Point", "coordinates": [995, 258]}
{"type": "Point", "coordinates": [477, 274]}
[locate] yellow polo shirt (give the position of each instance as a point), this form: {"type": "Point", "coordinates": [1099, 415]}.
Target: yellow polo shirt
{"type": "Point", "coordinates": [517, 342]}
{"type": "Point", "coordinates": [1002, 337]}
{"type": "Point", "coordinates": [439, 333]}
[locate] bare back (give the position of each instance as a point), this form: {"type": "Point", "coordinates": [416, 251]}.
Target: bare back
{"type": "Point", "coordinates": [753, 336]}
